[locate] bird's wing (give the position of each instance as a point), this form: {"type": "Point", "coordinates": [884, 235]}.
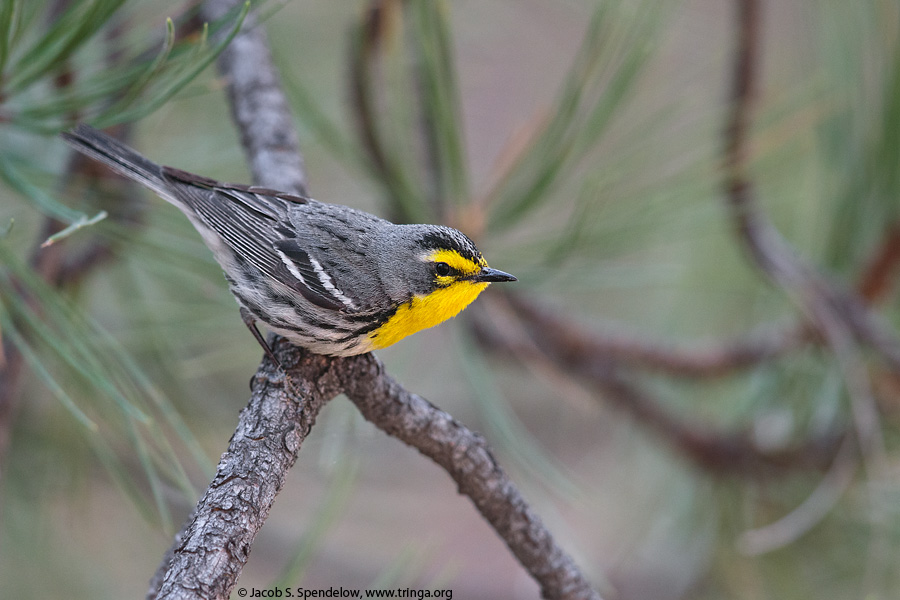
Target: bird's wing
{"type": "Point", "coordinates": [252, 222]}
{"type": "Point", "coordinates": [321, 287]}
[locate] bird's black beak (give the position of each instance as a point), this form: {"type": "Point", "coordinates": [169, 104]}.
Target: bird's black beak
{"type": "Point", "coordinates": [488, 275]}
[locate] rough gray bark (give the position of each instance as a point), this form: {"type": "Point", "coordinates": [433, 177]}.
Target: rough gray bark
{"type": "Point", "coordinates": [210, 553]}
{"type": "Point", "coordinates": [213, 549]}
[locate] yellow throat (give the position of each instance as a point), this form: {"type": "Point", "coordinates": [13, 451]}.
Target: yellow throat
{"type": "Point", "coordinates": [427, 311]}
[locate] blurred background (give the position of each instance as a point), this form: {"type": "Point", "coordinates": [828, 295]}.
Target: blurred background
{"type": "Point", "coordinates": [668, 410]}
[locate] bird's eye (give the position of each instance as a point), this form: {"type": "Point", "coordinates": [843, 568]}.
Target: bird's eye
{"type": "Point", "coordinates": [442, 269]}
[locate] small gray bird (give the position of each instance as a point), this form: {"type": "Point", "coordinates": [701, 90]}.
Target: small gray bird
{"type": "Point", "coordinates": [332, 279]}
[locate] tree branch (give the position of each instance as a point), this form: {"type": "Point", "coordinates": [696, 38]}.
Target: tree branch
{"type": "Point", "coordinates": [210, 551]}
{"type": "Point", "coordinates": [699, 362]}
{"type": "Point", "coordinates": [723, 357]}
{"type": "Point", "coordinates": [567, 348]}
{"type": "Point", "coordinates": [829, 306]}
{"type": "Point", "coordinates": [261, 114]}
{"type": "Point", "coordinates": [469, 461]}
{"type": "Point", "coordinates": [213, 549]}
{"type": "Point", "coordinates": [839, 315]}
{"type": "Point", "coordinates": [258, 104]}
{"type": "Point", "coordinates": [878, 278]}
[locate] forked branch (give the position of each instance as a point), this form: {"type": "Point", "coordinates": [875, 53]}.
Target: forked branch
{"type": "Point", "coordinates": [209, 553]}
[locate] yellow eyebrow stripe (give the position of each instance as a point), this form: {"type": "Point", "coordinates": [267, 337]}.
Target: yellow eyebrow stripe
{"type": "Point", "coordinates": [457, 261]}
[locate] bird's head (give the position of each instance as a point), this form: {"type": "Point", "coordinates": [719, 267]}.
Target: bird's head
{"type": "Point", "coordinates": [432, 272]}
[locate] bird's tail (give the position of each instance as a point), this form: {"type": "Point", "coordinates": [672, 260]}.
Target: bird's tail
{"type": "Point", "coordinates": [118, 156]}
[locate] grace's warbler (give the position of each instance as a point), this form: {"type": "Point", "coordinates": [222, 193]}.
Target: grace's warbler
{"type": "Point", "coordinates": [332, 279]}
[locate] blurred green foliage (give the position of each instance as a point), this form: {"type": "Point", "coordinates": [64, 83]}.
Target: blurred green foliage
{"type": "Point", "coordinates": [50, 78]}
{"type": "Point", "coordinates": [601, 192]}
